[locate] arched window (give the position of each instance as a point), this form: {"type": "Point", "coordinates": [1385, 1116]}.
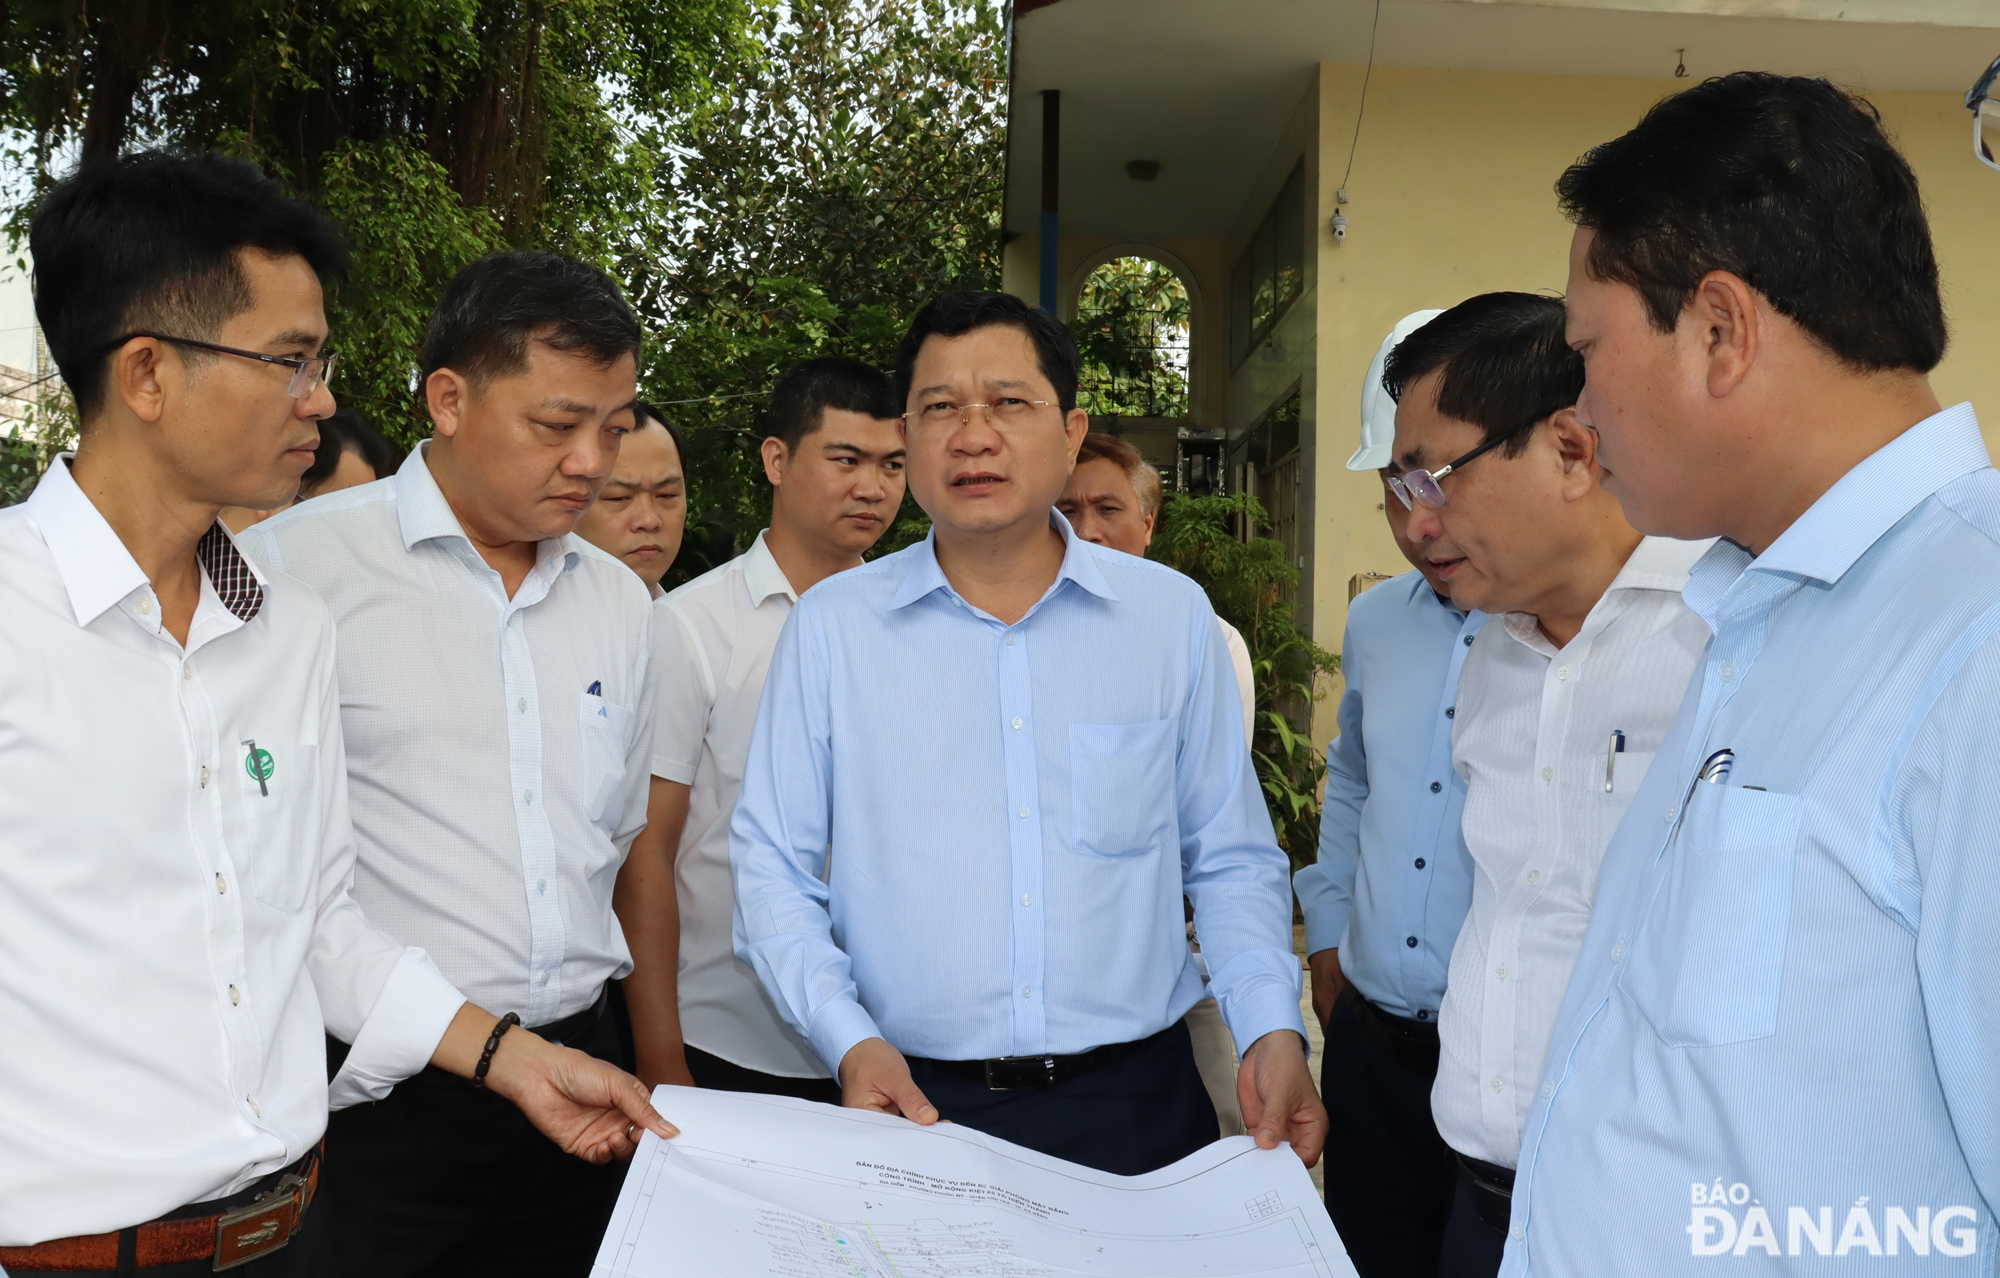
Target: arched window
{"type": "Point", "coordinates": [1132, 323]}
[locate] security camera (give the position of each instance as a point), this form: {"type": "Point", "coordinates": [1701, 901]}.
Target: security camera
{"type": "Point", "coordinates": [1339, 225]}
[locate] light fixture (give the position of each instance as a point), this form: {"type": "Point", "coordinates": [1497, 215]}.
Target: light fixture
{"type": "Point", "coordinates": [1142, 170]}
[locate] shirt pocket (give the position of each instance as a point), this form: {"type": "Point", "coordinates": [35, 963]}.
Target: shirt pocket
{"type": "Point", "coordinates": [1628, 774]}
{"type": "Point", "coordinates": [1709, 966]}
{"type": "Point", "coordinates": [1121, 786]}
{"type": "Point", "coordinates": [606, 732]}
{"type": "Point", "coordinates": [283, 818]}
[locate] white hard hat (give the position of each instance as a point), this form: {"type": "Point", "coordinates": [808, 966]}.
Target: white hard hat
{"type": "Point", "coordinates": [1378, 411]}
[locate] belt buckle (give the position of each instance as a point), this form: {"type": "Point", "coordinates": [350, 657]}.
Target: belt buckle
{"type": "Point", "coordinates": [262, 1227]}
{"type": "Point", "coordinates": [1020, 1073]}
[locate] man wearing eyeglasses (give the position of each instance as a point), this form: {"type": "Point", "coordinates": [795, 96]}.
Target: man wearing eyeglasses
{"type": "Point", "coordinates": [1562, 700]}
{"type": "Point", "coordinates": [976, 914]}
{"type": "Point", "coordinates": [177, 932]}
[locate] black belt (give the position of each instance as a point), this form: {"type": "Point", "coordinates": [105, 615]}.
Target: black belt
{"type": "Point", "coordinates": [1414, 1043]}
{"type": "Point", "coordinates": [1492, 1189]}
{"type": "Point", "coordinates": [1031, 1073]}
{"type": "Point", "coordinates": [571, 1030]}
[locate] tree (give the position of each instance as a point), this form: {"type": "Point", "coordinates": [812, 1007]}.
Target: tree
{"type": "Point", "coordinates": [842, 176]}
{"type": "Point", "coordinates": [435, 130]}
{"type": "Point", "coordinates": [1132, 334]}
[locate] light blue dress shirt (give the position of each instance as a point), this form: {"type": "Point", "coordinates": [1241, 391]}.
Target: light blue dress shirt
{"type": "Point", "coordinates": [1781, 1043]}
{"type": "Point", "coordinates": [1012, 815]}
{"type": "Point", "coordinates": [1394, 880]}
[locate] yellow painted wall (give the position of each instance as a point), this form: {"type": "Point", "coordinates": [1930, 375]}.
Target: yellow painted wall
{"type": "Point", "coordinates": [1452, 195]}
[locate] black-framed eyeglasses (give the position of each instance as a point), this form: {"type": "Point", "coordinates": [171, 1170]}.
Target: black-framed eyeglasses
{"type": "Point", "coordinates": [308, 373]}
{"type": "Point", "coordinates": [1422, 485]}
{"type": "Point", "coordinates": [1985, 116]}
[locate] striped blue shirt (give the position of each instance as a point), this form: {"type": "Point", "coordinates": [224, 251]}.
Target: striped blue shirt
{"type": "Point", "coordinates": [1393, 880]}
{"type": "Point", "coordinates": [1781, 1043]}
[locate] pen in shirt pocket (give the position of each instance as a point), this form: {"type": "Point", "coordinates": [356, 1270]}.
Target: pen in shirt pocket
{"type": "Point", "coordinates": [1611, 754]}
{"type": "Point", "coordinates": [596, 688]}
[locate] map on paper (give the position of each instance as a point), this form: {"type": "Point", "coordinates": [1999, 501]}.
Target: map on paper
{"type": "Point", "coordinates": [767, 1185]}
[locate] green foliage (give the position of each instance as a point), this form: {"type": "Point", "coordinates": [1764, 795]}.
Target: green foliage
{"type": "Point", "coordinates": [1246, 582]}
{"type": "Point", "coordinates": [32, 443]}
{"type": "Point", "coordinates": [1132, 334]}
{"type": "Point", "coordinates": [843, 175]}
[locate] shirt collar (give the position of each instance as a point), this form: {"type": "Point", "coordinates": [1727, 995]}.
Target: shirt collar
{"type": "Point", "coordinates": [1872, 498]}
{"type": "Point", "coordinates": [762, 576]}
{"type": "Point", "coordinates": [1079, 565]}
{"type": "Point", "coordinates": [1656, 563]}
{"type": "Point", "coordinates": [1421, 588]}
{"type": "Point", "coordinates": [423, 514]}
{"type": "Point", "coordinates": [98, 571]}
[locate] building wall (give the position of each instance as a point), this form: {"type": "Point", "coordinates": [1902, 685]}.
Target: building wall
{"type": "Point", "coordinates": [1452, 195]}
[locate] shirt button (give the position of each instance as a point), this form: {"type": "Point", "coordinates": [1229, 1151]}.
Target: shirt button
{"type": "Point", "coordinates": [1010, 641]}
{"type": "Point", "coordinates": [1423, 1015]}
{"type": "Point", "coordinates": [187, 670]}
{"type": "Point", "coordinates": [1670, 814]}
{"type": "Point", "coordinates": [1562, 673]}
{"type": "Point", "coordinates": [527, 796]}
{"type": "Point", "coordinates": [1451, 712]}
{"type": "Point", "coordinates": [1024, 898]}
{"type": "Point", "coordinates": [1501, 971]}
{"type": "Point", "coordinates": [1548, 1090]}
{"type": "Point", "coordinates": [1435, 787]}
{"type": "Point", "coordinates": [1410, 941]}
{"type": "Point", "coordinates": [1516, 1231]}
{"type": "Point", "coordinates": [1728, 671]}
{"type": "Point", "coordinates": [145, 607]}
{"type": "Point", "coordinates": [1468, 641]}
{"type": "Point", "coordinates": [221, 886]}
{"type": "Point", "coordinates": [1017, 723]}
{"type": "Point", "coordinates": [204, 776]}
{"type": "Point", "coordinates": [522, 705]}
{"type": "Point", "coordinates": [1498, 1084]}
{"type": "Point", "coordinates": [1024, 814]}
{"type": "Point", "coordinates": [1534, 876]}
{"type": "Point", "coordinates": [543, 979]}
{"type": "Point", "coordinates": [542, 887]}
{"type": "Point", "coordinates": [1548, 774]}
{"type": "Point", "coordinates": [1027, 991]}
{"type": "Point", "coordinates": [1617, 954]}
{"type": "Point", "coordinates": [235, 997]}
{"type": "Point", "coordinates": [251, 1101]}
{"type": "Point", "coordinates": [1420, 863]}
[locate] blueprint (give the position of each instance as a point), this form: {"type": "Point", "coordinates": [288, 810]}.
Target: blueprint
{"type": "Point", "coordinates": [767, 1185]}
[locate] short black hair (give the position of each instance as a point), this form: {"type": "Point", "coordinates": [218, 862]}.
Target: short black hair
{"type": "Point", "coordinates": [643, 413]}
{"type": "Point", "coordinates": [1506, 366]}
{"type": "Point", "coordinates": [806, 390]}
{"type": "Point", "coordinates": [494, 307]}
{"type": "Point", "coordinates": [955, 314]}
{"type": "Point", "coordinates": [347, 431]}
{"type": "Point", "coordinates": [1786, 182]}
{"type": "Point", "coordinates": [149, 241]}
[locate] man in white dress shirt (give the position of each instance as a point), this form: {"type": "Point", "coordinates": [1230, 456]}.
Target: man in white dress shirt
{"type": "Point", "coordinates": [1561, 704]}
{"type": "Point", "coordinates": [176, 927]}
{"type": "Point", "coordinates": [835, 463]}
{"type": "Point", "coordinates": [496, 691]}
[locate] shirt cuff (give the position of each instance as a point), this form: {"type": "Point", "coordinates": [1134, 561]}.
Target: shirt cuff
{"type": "Point", "coordinates": [1326, 914]}
{"type": "Point", "coordinates": [401, 1034]}
{"type": "Point", "coordinates": [837, 1028]}
{"type": "Point", "coordinates": [673, 770]}
{"type": "Point", "coordinates": [1258, 991]}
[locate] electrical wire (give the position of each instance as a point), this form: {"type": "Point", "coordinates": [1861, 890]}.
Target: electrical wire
{"type": "Point", "coordinates": [1363, 109]}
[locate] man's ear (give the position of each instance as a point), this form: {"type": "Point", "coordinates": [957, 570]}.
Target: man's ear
{"type": "Point", "coordinates": [1076, 424]}
{"type": "Point", "coordinates": [1576, 452]}
{"type": "Point", "coordinates": [446, 393]}
{"type": "Point", "coordinates": [775, 453]}
{"type": "Point", "coordinates": [1725, 324]}
{"type": "Point", "coordinates": [143, 373]}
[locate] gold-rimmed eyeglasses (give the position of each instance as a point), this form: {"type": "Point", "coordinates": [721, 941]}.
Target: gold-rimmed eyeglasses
{"type": "Point", "coordinates": [1004, 413]}
{"type": "Point", "coordinates": [308, 373]}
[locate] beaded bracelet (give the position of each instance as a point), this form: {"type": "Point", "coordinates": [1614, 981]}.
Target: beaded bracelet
{"type": "Point", "coordinates": [505, 1023]}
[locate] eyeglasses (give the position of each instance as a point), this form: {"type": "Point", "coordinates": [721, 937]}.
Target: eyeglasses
{"type": "Point", "coordinates": [308, 375]}
{"type": "Point", "coordinates": [1985, 117]}
{"type": "Point", "coordinates": [1422, 485]}
{"type": "Point", "coordinates": [1006, 413]}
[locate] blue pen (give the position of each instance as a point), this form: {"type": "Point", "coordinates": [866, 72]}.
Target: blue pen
{"type": "Point", "coordinates": [596, 688]}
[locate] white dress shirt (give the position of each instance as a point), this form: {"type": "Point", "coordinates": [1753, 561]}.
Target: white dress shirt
{"type": "Point", "coordinates": [497, 747]}
{"type": "Point", "coordinates": [1239, 664]}
{"type": "Point", "coordinates": [712, 644]}
{"type": "Point", "coordinates": [175, 937]}
{"type": "Point", "coordinates": [1532, 739]}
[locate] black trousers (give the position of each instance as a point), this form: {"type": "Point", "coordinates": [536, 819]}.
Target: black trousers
{"type": "Point", "coordinates": [442, 1178]}
{"type": "Point", "coordinates": [1473, 1248]}
{"type": "Point", "coordinates": [719, 1075]}
{"type": "Point", "coordinates": [1389, 1175]}
{"type": "Point", "coordinates": [1131, 1115]}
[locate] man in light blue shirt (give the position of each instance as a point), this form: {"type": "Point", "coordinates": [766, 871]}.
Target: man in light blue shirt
{"type": "Point", "coordinates": [1781, 1043]}
{"type": "Point", "coordinates": [1384, 902]}
{"type": "Point", "coordinates": [1018, 751]}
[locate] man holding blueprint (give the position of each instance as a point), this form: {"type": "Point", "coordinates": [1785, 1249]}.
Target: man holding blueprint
{"type": "Point", "coordinates": [985, 773]}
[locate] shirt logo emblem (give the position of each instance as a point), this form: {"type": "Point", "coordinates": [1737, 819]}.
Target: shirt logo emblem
{"type": "Point", "coordinates": [259, 764]}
